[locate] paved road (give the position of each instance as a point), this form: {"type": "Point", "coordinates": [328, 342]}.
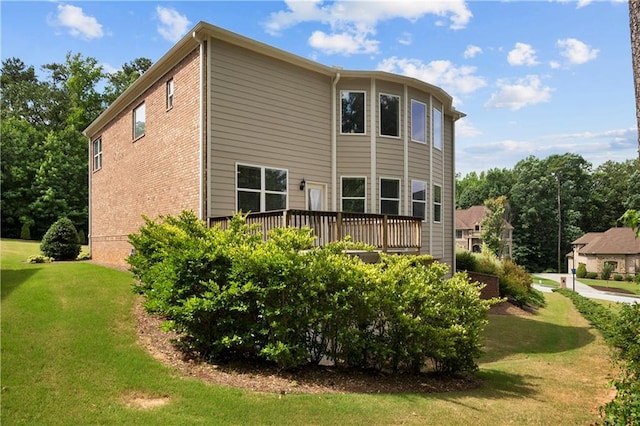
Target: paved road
{"type": "Point", "coordinates": [584, 289]}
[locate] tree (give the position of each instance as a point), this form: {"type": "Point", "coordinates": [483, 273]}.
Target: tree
{"type": "Point", "coordinates": [494, 223]}
{"type": "Point", "coordinates": [21, 151]}
{"type": "Point", "coordinates": [120, 80]}
{"type": "Point", "coordinates": [612, 193]}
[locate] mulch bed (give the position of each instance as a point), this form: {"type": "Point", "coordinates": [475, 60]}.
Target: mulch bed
{"type": "Point", "coordinates": [612, 289]}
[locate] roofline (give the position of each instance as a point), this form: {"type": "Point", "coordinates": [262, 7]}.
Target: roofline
{"type": "Point", "coordinates": [204, 30]}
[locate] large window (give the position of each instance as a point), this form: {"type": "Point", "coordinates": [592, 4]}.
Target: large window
{"type": "Point", "coordinates": [170, 94]}
{"type": "Point", "coordinates": [139, 121]}
{"type": "Point", "coordinates": [97, 154]}
{"type": "Point", "coordinates": [437, 128]}
{"type": "Point", "coordinates": [390, 196]}
{"type": "Point", "coordinates": [389, 115]}
{"type": "Point", "coordinates": [437, 203]}
{"type": "Point", "coordinates": [419, 199]}
{"type": "Point", "coordinates": [353, 115]}
{"type": "Point", "coordinates": [354, 194]}
{"type": "Point", "coordinates": [261, 189]}
{"type": "Point", "coordinates": [418, 122]}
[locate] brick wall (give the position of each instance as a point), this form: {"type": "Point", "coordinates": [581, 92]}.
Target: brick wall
{"type": "Point", "coordinates": [156, 174]}
{"type": "Point", "coordinates": [492, 284]}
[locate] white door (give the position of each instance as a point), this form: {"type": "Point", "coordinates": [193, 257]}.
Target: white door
{"type": "Point", "coordinates": [316, 196]}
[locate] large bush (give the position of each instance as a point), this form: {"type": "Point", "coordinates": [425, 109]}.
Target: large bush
{"type": "Point", "coordinates": [61, 241]}
{"type": "Point", "coordinates": [581, 271]}
{"type": "Point", "coordinates": [234, 295]}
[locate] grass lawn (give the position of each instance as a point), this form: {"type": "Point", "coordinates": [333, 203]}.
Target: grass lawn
{"type": "Point", "coordinates": [545, 282]}
{"type": "Point", "coordinates": [69, 356]}
{"type": "Point", "coordinates": [624, 285]}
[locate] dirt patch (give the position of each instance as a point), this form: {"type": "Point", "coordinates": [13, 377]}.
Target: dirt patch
{"type": "Point", "coordinates": [612, 289]}
{"type": "Point", "coordinates": [506, 308]}
{"type": "Point", "coordinates": [142, 401]}
{"type": "Point", "coordinates": [266, 378]}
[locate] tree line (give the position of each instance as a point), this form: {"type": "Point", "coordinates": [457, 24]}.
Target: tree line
{"type": "Point", "coordinates": [553, 201]}
{"type": "Point", "coordinates": [44, 153]}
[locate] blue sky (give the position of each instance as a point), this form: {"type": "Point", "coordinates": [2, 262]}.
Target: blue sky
{"type": "Point", "coordinates": [534, 77]}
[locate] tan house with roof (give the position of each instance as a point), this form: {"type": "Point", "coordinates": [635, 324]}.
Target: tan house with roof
{"type": "Point", "coordinates": [223, 123]}
{"type": "Point", "coordinates": [469, 230]}
{"type": "Point", "coordinates": [617, 246]}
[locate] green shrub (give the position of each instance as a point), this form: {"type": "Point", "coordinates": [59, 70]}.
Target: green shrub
{"type": "Point", "coordinates": [592, 275]}
{"type": "Point", "coordinates": [281, 300]}
{"type": "Point", "coordinates": [465, 260]}
{"type": "Point", "coordinates": [636, 279]}
{"type": "Point", "coordinates": [61, 241]}
{"type": "Point", "coordinates": [607, 269]}
{"type": "Point", "coordinates": [617, 277]}
{"type": "Point", "coordinates": [84, 256]}
{"type": "Point", "coordinates": [25, 232]}
{"type": "Point", "coordinates": [38, 258]}
{"type": "Point", "coordinates": [581, 271]}
{"type": "Point", "coordinates": [82, 239]}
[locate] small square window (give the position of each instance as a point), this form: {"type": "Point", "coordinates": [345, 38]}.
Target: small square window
{"type": "Point", "coordinates": [139, 121]}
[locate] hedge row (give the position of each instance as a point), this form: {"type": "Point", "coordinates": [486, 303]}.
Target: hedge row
{"type": "Point", "coordinates": [622, 331]}
{"type": "Point", "coordinates": [236, 296]}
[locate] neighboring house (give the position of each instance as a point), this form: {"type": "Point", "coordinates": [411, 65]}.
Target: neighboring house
{"type": "Point", "coordinates": [617, 246]}
{"type": "Point", "coordinates": [469, 230]}
{"type": "Point", "coordinates": [223, 123]}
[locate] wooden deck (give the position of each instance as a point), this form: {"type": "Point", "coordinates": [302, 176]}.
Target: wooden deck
{"type": "Point", "coordinates": [387, 233]}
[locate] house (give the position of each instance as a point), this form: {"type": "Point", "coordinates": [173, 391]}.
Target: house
{"type": "Point", "coordinates": [469, 230]}
{"type": "Point", "coordinates": [616, 246]}
{"type": "Point", "coordinates": [223, 123]}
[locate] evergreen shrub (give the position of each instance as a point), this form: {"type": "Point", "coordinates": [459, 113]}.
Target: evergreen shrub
{"type": "Point", "coordinates": [61, 241]}
{"type": "Point", "coordinates": [234, 295]}
{"type": "Point", "coordinates": [581, 270]}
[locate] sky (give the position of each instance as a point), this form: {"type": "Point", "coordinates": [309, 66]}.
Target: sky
{"type": "Point", "coordinates": [534, 78]}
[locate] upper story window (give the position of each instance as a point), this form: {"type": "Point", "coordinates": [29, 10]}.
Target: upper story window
{"type": "Point", "coordinates": [170, 94]}
{"type": "Point", "coordinates": [389, 115]}
{"type": "Point", "coordinates": [418, 122]}
{"type": "Point", "coordinates": [458, 233]}
{"type": "Point", "coordinates": [260, 188]}
{"type": "Point", "coordinates": [139, 121]}
{"type": "Point", "coordinates": [419, 199]}
{"type": "Point", "coordinates": [353, 112]}
{"type": "Point", "coordinates": [97, 154]}
{"type": "Point", "coordinates": [354, 194]}
{"type": "Point", "coordinates": [437, 128]}
{"type": "Point", "coordinates": [390, 196]}
{"type": "Point", "coordinates": [437, 203]}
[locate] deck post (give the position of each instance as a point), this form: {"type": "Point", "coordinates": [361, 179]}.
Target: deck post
{"type": "Point", "coordinates": [385, 225]}
{"type": "Point", "coordinates": [338, 226]}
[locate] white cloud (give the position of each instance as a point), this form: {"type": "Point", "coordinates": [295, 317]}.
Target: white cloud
{"type": "Point", "coordinates": [358, 20]}
{"type": "Point", "coordinates": [522, 54]}
{"type": "Point", "coordinates": [583, 3]}
{"type": "Point", "coordinates": [524, 92]}
{"type": "Point", "coordinates": [471, 51]}
{"type": "Point", "coordinates": [554, 64]}
{"type": "Point", "coordinates": [109, 68]}
{"type": "Point", "coordinates": [576, 52]}
{"type": "Point", "coordinates": [455, 80]}
{"type": "Point", "coordinates": [78, 24]}
{"type": "Point", "coordinates": [406, 39]}
{"type": "Point", "coordinates": [465, 129]}
{"type": "Point", "coordinates": [172, 24]}
{"type": "Point", "coordinates": [343, 43]}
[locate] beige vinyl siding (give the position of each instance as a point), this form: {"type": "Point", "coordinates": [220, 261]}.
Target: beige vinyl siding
{"type": "Point", "coordinates": [448, 213]}
{"type": "Point", "coordinates": [269, 113]}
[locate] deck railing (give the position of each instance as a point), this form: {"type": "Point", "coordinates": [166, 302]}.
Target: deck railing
{"type": "Point", "coordinates": [386, 232]}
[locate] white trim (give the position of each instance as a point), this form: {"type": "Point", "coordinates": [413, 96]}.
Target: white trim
{"type": "Point", "coordinates": [399, 199]}
{"type": "Point", "coordinates": [354, 198]}
{"type": "Point", "coordinates": [323, 188]}
{"type": "Point", "coordinates": [364, 118]}
{"type": "Point", "coordinates": [96, 156]}
{"type": "Point", "coordinates": [373, 153]}
{"type": "Point", "coordinates": [430, 145]}
{"type": "Point", "coordinates": [262, 191]}
{"type": "Point", "coordinates": [201, 138]}
{"type": "Point", "coordinates": [381, 94]}
{"type": "Point", "coordinates": [209, 132]}
{"type": "Point", "coordinates": [133, 121]}
{"type": "Point", "coordinates": [170, 84]}
{"type": "Point", "coordinates": [405, 205]}
{"type": "Point", "coordinates": [334, 141]}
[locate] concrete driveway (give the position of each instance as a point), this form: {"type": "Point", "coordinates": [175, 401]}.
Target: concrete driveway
{"type": "Point", "coordinates": [584, 289]}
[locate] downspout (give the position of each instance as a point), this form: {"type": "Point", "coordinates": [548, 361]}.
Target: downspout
{"type": "Point", "coordinates": [453, 190]}
{"type": "Point", "coordinates": [89, 169]}
{"type": "Point", "coordinates": [201, 139]}
{"type": "Point", "coordinates": [334, 144]}
{"type": "Point", "coordinates": [430, 190]}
